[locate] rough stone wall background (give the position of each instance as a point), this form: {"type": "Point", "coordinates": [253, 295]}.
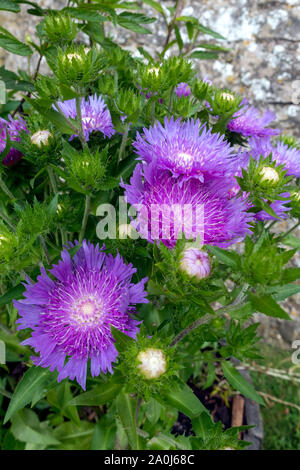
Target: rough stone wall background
{"type": "Point", "coordinates": [264, 37]}
{"type": "Point", "coordinates": [264, 65]}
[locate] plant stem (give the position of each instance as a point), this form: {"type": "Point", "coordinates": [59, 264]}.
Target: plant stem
{"type": "Point", "coordinates": [6, 190]}
{"type": "Point", "coordinates": [85, 217]}
{"type": "Point", "coordinates": [6, 219]}
{"type": "Point", "coordinates": [79, 120]}
{"type": "Point", "coordinates": [52, 179]}
{"type": "Point", "coordinates": [206, 318]}
{"type": "Point", "coordinates": [289, 231]}
{"type": "Point", "coordinates": [152, 112]}
{"type": "Point", "coordinates": [124, 140]}
{"type": "Point", "coordinates": [43, 243]}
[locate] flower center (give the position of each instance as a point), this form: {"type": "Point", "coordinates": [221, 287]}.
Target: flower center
{"type": "Point", "coordinates": [86, 311]}
{"type": "Point", "coordinates": [186, 157]}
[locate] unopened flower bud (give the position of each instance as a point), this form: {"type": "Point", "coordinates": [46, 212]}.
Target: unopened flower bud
{"type": "Point", "coordinates": [41, 137]}
{"type": "Point", "coordinates": [227, 96]}
{"type": "Point", "coordinates": [72, 56]}
{"type": "Point", "coordinates": [195, 263]}
{"type": "Point", "coordinates": [269, 174]}
{"type": "Point", "coordinates": [153, 363]}
{"type": "Point", "coordinates": [154, 70]}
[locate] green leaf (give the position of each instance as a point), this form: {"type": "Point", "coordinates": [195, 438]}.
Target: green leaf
{"type": "Point", "coordinates": [292, 241]}
{"type": "Point", "coordinates": [203, 55]}
{"type": "Point", "coordinates": [238, 382]}
{"type": "Point", "coordinates": [282, 292]}
{"type": "Point", "coordinates": [212, 47]}
{"type": "Point", "coordinates": [36, 382]}
{"type": "Point", "coordinates": [164, 441]}
{"type": "Point", "coordinates": [15, 293]}
{"type": "Point", "coordinates": [154, 5]}
{"type": "Point", "coordinates": [104, 434]}
{"type": "Point", "coordinates": [9, 6]}
{"type": "Point", "coordinates": [153, 410]}
{"type": "Point", "coordinates": [86, 14]}
{"type": "Point", "coordinates": [230, 258]}
{"type": "Point", "coordinates": [185, 401]}
{"type": "Point", "coordinates": [11, 44]}
{"type": "Point", "coordinates": [290, 274]}
{"type": "Point", "coordinates": [27, 428]}
{"type": "Point", "coordinates": [210, 32]}
{"type": "Point", "coordinates": [99, 395]}
{"type": "Point", "coordinates": [126, 408]}
{"type": "Point", "coordinates": [122, 340]}
{"type": "Point", "coordinates": [267, 305]}
{"type": "Point", "coordinates": [178, 37]}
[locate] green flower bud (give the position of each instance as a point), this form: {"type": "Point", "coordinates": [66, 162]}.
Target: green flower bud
{"type": "Point", "coordinates": [77, 65]}
{"type": "Point", "coordinates": [86, 170]}
{"type": "Point", "coordinates": [59, 28]}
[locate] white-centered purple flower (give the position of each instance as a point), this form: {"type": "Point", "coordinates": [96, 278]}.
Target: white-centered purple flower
{"type": "Point", "coordinates": [94, 113]}
{"type": "Point", "coordinates": [72, 311]}
{"type": "Point", "coordinates": [185, 148]}
{"type": "Point", "coordinates": [12, 127]}
{"type": "Point", "coordinates": [168, 207]}
{"type": "Point", "coordinates": [183, 89]}
{"type": "Point", "coordinates": [248, 121]}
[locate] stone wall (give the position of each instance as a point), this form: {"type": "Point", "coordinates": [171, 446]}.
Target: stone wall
{"type": "Point", "coordinates": [263, 36]}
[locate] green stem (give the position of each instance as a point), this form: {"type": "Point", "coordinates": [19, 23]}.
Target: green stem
{"type": "Point", "coordinates": [52, 179]}
{"type": "Point", "coordinates": [289, 231]}
{"type": "Point", "coordinates": [6, 219]}
{"type": "Point", "coordinates": [124, 140]}
{"type": "Point", "coordinates": [79, 120]}
{"type": "Point", "coordinates": [6, 190]}
{"type": "Point", "coordinates": [152, 112]}
{"type": "Point", "coordinates": [208, 317]}
{"type": "Point", "coordinates": [43, 243]}
{"type": "Point", "coordinates": [85, 217]}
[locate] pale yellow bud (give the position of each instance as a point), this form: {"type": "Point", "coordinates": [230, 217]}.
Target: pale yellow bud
{"type": "Point", "coordinates": [269, 174]}
{"type": "Point", "coordinates": [153, 363]}
{"type": "Point", "coordinates": [41, 137]}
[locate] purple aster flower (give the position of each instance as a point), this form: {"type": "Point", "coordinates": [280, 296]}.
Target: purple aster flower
{"type": "Point", "coordinates": [13, 127]}
{"type": "Point", "coordinates": [248, 121]}
{"type": "Point", "coordinates": [94, 113]}
{"type": "Point", "coordinates": [167, 207]}
{"type": "Point", "coordinates": [281, 153]}
{"type": "Point", "coordinates": [185, 148]}
{"type": "Point", "coordinates": [183, 89]}
{"type": "Point", "coordinates": [71, 312]}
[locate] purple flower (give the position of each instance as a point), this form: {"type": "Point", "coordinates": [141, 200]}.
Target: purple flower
{"type": "Point", "coordinates": [248, 121]}
{"type": "Point", "coordinates": [168, 207]}
{"type": "Point", "coordinates": [183, 89]}
{"type": "Point", "coordinates": [13, 127]}
{"type": "Point", "coordinates": [185, 148]}
{"type": "Point", "coordinates": [281, 153]}
{"type": "Point", "coordinates": [94, 113]}
{"type": "Point", "coordinates": [279, 207]}
{"type": "Point", "coordinates": [71, 312]}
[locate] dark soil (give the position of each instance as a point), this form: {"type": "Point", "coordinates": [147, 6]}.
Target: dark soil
{"type": "Point", "coordinates": [216, 405]}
